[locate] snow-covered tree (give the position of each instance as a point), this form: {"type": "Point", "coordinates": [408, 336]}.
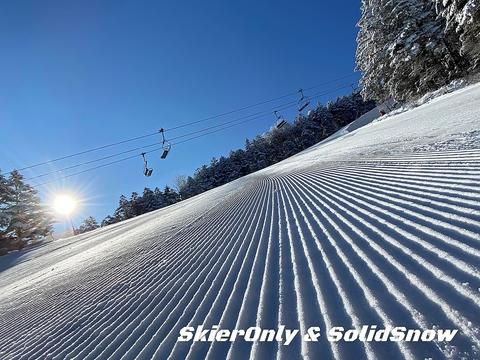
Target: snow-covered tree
{"type": "Point", "coordinates": [371, 56]}
{"type": "Point", "coordinates": [147, 202]}
{"type": "Point", "coordinates": [22, 217]}
{"type": "Point", "coordinates": [170, 196]}
{"type": "Point", "coordinates": [180, 181]}
{"type": "Point", "coordinates": [124, 210]}
{"type": "Point", "coordinates": [190, 188]}
{"type": "Point", "coordinates": [6, 198]}
{"type": "Point", "coordinates": [348, 108]}
{"type": "Point", "coordinates": [159, 198]}
{"type": "Point", "coordinates": [136, 204]}
{"type": "Point", "coordinates": [419, 57]}
{"type": "Point", "coordinates": [462, 19]}
{"type": "Point", "coordinates": [109, 220]}
{"type": "Point", "coordinates": [402, 52]}
{"type": "Point", "coordinates": [88, 224]}
{"type": "Point", "coordinates": [239, 161]}
{"type": "Point", "coordinates": [204, 177]}
{"type": "Point", "coordinates": [264, 150]}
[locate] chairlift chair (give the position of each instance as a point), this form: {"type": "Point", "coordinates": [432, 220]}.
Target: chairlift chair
{"type": "Point", "coordinates": [146, 170]}
{"type": "Point", "coordinates": [166, 145]}
{"type": "Point", "coordinates": [280, 120]}
{"type": "Point", "coordinates": [303, 102]}
{"type": "Point", "coordinates": [166, 150]}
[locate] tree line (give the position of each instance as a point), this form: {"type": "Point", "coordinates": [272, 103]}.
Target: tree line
{"type": "Point", "coordinates": [406, 48]}
{"type": "Point", "coordinates": [258, 153]}
{"type": "Point", "coordinates": [24, 220]}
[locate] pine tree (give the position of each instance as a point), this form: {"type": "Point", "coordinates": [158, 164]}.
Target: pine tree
{"type": "Point", "coordinates": [225, 171]}
{"type": "Point", "coordinates": [258, 153]}
{"type": "Point", "coordinates": [109, 220]}
{"type": "Point", "coordinates": [135, 203]}
{"type": "Point", "coordinates": [6, 198]}
{"type": "Point", "coordinates": [401, 50]}
{"type": "Point", "coordinates": [159, 198]}
{"type": "Point", "coordinates": [170, 196]}
{"type": "Point", "coordinates": [462, 19]}
{"type": "Point", "coordinates": [371, 56]}
{"type": "Point", "coordinates": [189, 189]}
{"type": "Point", "coordinates": [124, 210]}
{"type": "Point", "coordinates": [88, 224]}
{"type": "Point", "coordinates": [23, 218]}
{"type": "Point", "coordinates": [204, 178]}
{"type": "Point", "coordinates": [239, 161]}
{"type": "Point", "coordinates": [328, 122]}
{"type": "Point", "coordinates": [148, 201]}
{"type": "Point", "coordinates": [419, 57]}
{"type": "Point", "coordinates": [275, 145]}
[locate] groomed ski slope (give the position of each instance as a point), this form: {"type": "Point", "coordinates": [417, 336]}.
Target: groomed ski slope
{"type": "Point", "coordinates": [376, 226]}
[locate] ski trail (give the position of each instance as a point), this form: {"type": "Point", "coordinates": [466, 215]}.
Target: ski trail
{"type": "Point", "coordinates": [363, 230]}
{"type": "Point", "coordinates": [453, 314]}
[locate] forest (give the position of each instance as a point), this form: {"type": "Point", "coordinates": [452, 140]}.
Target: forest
{"type": "Point", "coordinates": [264, 150]}
{"type": "Point", "coordinates": [405, 49]}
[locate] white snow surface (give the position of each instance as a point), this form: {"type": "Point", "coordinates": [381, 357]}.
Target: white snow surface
{"type": "Point", "coordinates": [380, 224]}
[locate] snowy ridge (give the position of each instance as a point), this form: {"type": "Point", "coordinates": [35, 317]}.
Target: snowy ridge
{"type": "Point", "coordinates": [385, 236]}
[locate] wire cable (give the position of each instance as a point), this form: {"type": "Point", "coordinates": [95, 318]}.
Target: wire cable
{"type": "Point", "coordinates": [258, 104]}
{"type": "Point", "coordinates": [181, 125]}
{"type": "Point", "coordinates": [279, 108]}
{"type": "Point", "coordinates": [201, 133]}
{"type": "Point", "coordinates": [85, 152]}
{"type": "Point", "coordinates": [90, 162]}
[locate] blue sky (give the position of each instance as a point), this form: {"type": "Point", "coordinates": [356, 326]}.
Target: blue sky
{"type": "Point", "coordinates": [80, 74]}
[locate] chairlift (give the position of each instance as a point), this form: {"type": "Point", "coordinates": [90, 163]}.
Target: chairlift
{"type": "Point", "coordinates": [303, 102]}
{"type": "Point", "coordinates": [166, 150]}
{"type": "Point", "coordinates": [146, 170]}
{"type": "Point", "coordinates": [166, 145]}
{"type": "Point", "coordinates": [280, 120]}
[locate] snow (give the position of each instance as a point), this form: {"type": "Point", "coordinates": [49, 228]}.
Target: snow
{"type": "Point", "coordinates": [377, 225]}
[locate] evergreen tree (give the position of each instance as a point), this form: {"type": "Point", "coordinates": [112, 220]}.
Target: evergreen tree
{"type": "Point", "coordinates": [88, 224]}
{"type": "Point", "coordinates": [462, 30]}
{"type": "Point", "coordinates": [328, 124]}
{"type": "Point", "coordinates": [180, 182]}
{"type": "Point", "coordinates": [109, 220]}
{"type": "Point", "coordinates": [401, 50]}
{"type": "Point", "coordinates": [147, 201]}
{"type": "Point", "coordinates": [274, 146]}
{"type": "Point", "coordinates": [190, 188]}
{"type": "Point", "coordinates": [124, 210]}
{"type": "Point", "coordinates": [419, 57]}
{"type": "Point", "coordinates": [372, 56]}
{"type": "Point", "coordinates": [204, 177]}
{"type": "Point", "coordinates": [170, 196]}
{"type": "Point", "coordinates": [22, 218]}
{"type": "Point", "coordinates": [239, 161]}
{"type": "Point", "coordinates": [6, 198]}
{"type": "Point", "coordinates": [159, 198]}
{"type": "Point", "coordinates": [257, 153]}
{"type": "Point", "coordinates": [135, 204]}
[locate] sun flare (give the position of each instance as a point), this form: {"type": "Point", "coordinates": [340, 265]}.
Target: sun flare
{"type": "Point", "coordinates": [64, 204]}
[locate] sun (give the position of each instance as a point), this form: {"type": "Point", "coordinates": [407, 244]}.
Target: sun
{"type": "Point", "coordinates": [64, 204]}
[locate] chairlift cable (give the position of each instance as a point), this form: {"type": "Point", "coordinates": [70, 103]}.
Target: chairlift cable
{"type": "Point", "coordinates": [258, 104]}
{"type": "Point", "coordinates": [177, 127]}
{"type": "Point", "coordinates": [201, 133]}
{"type": "Point", "coordinates": [283, 106]}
